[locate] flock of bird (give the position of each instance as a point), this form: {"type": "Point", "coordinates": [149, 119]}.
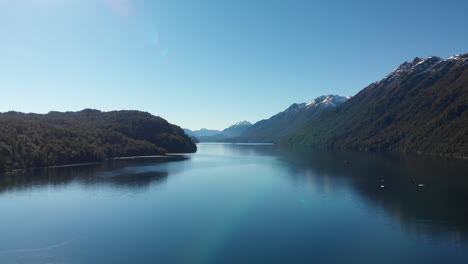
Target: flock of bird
{"type": "Point", "coordinates": [382, 185]}
{"type": "Point", "coordinates": [382, 181]}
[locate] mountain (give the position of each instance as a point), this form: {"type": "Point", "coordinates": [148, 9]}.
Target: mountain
{"type": "Point", "coordinates": [420, 107]}
{"type": "Point", "coordinates": [232, 131]}
{"type": "Point", "coordinates": [236, 129]}
{"type": "Point", "coordinates": [56, 138]}
{"type": "Point", "coordinates": [202, 132]}
{"type": "Point", "coordinates": [291, 119]}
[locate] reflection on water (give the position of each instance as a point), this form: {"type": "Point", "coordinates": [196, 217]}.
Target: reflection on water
{"type": "Point", "coordinates": [233, 203]}
{"type": "Point", "coordinates": [425, 194]}
{"type": "Point", "coordinates": [120, 173]}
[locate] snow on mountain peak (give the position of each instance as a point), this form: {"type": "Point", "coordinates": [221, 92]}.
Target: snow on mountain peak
{"type": "Point", "coordinates": [417, 65]}
{"type": "Point", "coordinates": [327, 100]}
{"type": "Point", "coordinates": [294, 107]}
{"type": "Point", "coordinates": [242, 123]}
{"type": "Point", "coordinates": [457, 57]}
{"type": "Point", "coordinates": [454, 57]}
{"type": "Point", "coordinates": [422, 64]}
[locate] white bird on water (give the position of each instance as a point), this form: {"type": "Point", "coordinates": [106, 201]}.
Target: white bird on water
{"type": "Point", "coordinates": [418, 184]}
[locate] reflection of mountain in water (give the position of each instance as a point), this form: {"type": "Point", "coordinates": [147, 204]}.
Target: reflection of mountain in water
{"type": "Point", "coordinates": [239, 149]}
{"type": "Point", "coordinates": [123, 173]}
{"type": "Point", "coordinates": [434, 209]}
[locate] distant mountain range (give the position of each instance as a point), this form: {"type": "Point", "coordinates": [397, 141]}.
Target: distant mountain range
{"type": "Point", "coordinates": [201, 133]}
{"type": "Point", "coordinates": [291, 119]}
{"type": "Point", "coordinates": [420, 107]}
{"type": "Point", "coordinates": [232, 131]}
{"type": "Point", "coordinates": [270, 130]}
{"type": "Point", "coordinates": [236, 129]}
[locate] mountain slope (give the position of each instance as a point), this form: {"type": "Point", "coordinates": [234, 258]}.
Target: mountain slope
{"type": "Point", "coordinates": [33, 140]}
{"type": "Point", "coordinates": [236, 129]}
{"type": "Point", "coordinates": [232, 131]}
{"type": "Point", "coordinates": [420, 107]}
{"type": "Point", "coordinates": [293, 118]}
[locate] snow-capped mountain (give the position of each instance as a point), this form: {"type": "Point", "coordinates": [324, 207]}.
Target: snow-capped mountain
{"type": "Point", "coordinates": [241, 123]}
{"type": "Point", "coordinates": [324, 101]}
{"type": "Point", "coordinates": [290, 119]}
{"type": "Point", "coordinates": [418, 65]}
{"type": "Point", "coordinates": [294, 108]}
{"type": "Point", "coordinates": [236, 129]}
{"type": "Point", "coordinates": [232, 131]}
{"type": "Point", "coordinates": [327, 101]}
{"type": "Point", "coordinates": [201, 132]}
{"type": "Point", "coordinates": [420, 107]}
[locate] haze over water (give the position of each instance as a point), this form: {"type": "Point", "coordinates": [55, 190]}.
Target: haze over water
{"type": "Point", "coordinates": [245, 203]}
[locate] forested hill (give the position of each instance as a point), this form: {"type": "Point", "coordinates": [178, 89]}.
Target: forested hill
{"type": "Point", "coordinates": [56, 138]}
{"type": "Point", "coordinates": [421, 107]}
{"type": "Point", "coordinates": [291, 119]}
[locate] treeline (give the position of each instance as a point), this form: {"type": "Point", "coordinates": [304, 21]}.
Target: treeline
{"type": "Point", "coordinates": [289, 120]}
{"type": "Point", "coordinates": [422, 107]}
{"type": "Point", "coordinates": [34, 140]}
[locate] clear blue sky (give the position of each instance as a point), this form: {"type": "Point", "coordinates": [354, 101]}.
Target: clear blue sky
{"type": "Point", "coordinates": [211, 63]}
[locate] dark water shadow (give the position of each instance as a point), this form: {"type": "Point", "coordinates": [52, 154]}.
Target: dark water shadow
{"type": "Point", "coordinates": [119, 173]}
{"type": "Point", "coordinates": [426, 195]}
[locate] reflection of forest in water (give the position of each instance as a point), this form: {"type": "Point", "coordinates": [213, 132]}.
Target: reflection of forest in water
{"type": "Point", "coordinates": [437, 208]}
{"type": "Point", "coordinates": [119, 173]}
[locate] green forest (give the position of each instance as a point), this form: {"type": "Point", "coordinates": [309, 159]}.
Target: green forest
{"type": "Point", "coordinates": [418, 111]}
{"type": "Point", "coordinates": [59, 138]}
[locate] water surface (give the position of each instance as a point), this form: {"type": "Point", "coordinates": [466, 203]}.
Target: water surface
{"type": "Point", "coordinates": [233, 203]}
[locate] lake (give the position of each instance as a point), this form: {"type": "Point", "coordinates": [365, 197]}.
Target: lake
{"type": "Point", "coordinates": [239, 203]}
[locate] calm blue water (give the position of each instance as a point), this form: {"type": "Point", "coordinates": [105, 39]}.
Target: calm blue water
{"type": "Point", "coordinates": [239, 204]}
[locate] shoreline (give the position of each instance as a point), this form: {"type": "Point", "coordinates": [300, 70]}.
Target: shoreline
{"type": "Point", "coordinates": [169, 156]}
